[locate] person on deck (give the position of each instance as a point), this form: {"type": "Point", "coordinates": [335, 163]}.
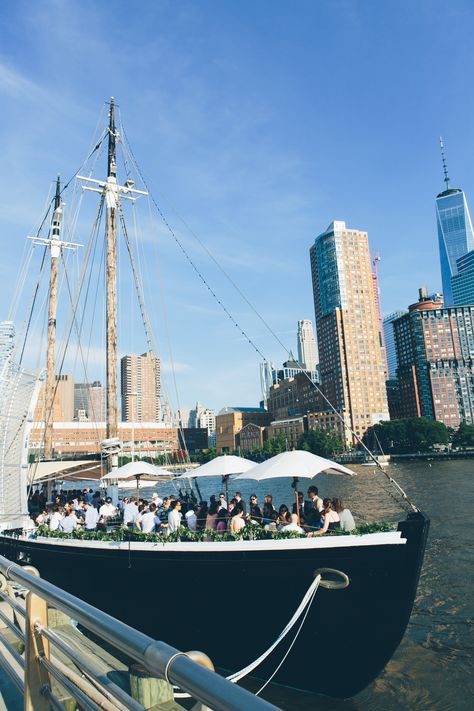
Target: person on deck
{"type": "Point", "coordinates": [331, 519]}
{"type": "Point", "coordinates": [56, 518]}
{"type": "Point", "coordinates": [107, 510]}
{"type": "Point", "coordinates": [346, 518]}
{"type": "Point", "coordinates": [268, 508]}
{"type": "Point", "coordinates": [191, 517]}
{"type": "Point", "coordinates": [300, 506]}
{"type": "Point", "coordinates": [91, 516]}
{"type": "Point", "coordinates": [240, 502]}
{"type": "Point", "coordinates": [255, 510]}
{"type": "Point", "coordinates": [70, 522]}
{"type": "Point", "coordinates": [293, 526]}
{"type": "Point", "coordinates": [211, 518]}
{"type": "Point", "coordinates": [237, 522]}
{"type": "Point", "coordinates": [315, 500]}
{"type": "Point", "coordinates": [148, 521]}
{"type": "Point", "coordinates": [174, 516]}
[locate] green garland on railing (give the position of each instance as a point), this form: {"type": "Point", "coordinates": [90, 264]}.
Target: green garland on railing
{"type": "Point", "coordinates": [249, 533]}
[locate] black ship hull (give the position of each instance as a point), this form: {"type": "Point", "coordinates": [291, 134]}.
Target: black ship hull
{"type": "Point", "coordinates": [232, 602]}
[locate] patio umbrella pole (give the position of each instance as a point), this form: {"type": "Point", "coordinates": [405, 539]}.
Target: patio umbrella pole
{"type": "Point", "coordinates": [227, 490]}
{"type": "Point", "coordinates": [138, 485]}
{"type": "Point", "coordinates": [295, 483]}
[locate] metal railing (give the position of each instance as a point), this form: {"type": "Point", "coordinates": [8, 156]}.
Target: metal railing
{"type": "Point", "coordinates": [33, 672]}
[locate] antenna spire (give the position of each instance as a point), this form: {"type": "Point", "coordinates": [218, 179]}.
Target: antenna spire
{"type": "Point", "coordinates": [112, 165]}
{"type": "Point", "coordinates": [445, 165]}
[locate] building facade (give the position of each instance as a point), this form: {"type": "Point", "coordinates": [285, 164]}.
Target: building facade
{"type": "Point", "coordinates": [435, 350]}
{"type": "Point", "coordinates": [144, 439]}
{"type": "Point", "coordinates": [351, 354]}
{"type": "Point", "coordinates": [292, 397]}
{"type": "Point", "coordinates": [307, 355]}
{"type": "Point", "coordinates": [63, 403]}
{"type": "Point", "coordinates": [140, 388]}
{"type": "Point", "coordinates": [231, 420]}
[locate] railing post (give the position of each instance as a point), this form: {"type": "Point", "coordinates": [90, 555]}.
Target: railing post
{"type": "Point", "coordinates": [36, 676]}
{"type": "Point", "coordinates": [207, 663]}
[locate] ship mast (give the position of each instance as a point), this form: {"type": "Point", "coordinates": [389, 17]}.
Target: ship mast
{"type": "Point", "coordinates": [55, 244]}
{"type": "Point", "coordinates": [55, 249]}
{"type": "Point", "coordinates": [113, 193]}
{"type": "Point", "coordinates": [111, 201]}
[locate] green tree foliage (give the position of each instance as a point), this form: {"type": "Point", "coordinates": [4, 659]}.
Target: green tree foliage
{"type": "Point", "coordinates": [318, 441]}
{"type": "Point", "coordinates": [464, 437]}
{"type": "Point", "coordinates": [411, 434]}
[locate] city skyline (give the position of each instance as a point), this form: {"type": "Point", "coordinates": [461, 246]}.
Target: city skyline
{"type": "Point", "coordinates": [233, 131]}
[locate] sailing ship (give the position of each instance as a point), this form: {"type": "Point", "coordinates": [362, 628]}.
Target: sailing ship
{"type": "Point", "coordinates": [188, 593]}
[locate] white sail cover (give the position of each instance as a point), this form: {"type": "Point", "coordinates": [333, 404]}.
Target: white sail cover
{"type": "Point", "coordinates": [19, 391]}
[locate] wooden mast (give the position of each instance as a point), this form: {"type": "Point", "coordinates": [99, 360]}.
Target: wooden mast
{"type": "Point", "coordinates": [111, 198]}
{"type": "Point", "coordinates": [55, 248]}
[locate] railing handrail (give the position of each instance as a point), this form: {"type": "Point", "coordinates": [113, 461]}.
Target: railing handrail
{"type": "Point", "coordinates": [160, 659]}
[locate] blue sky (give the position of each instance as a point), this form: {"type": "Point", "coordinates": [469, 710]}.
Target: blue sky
{"type": "Point", "coordinates": [257, 123]}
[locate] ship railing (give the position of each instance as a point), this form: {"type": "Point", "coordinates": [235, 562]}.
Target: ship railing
{"type": "Point", "coordinates": [40, 659]}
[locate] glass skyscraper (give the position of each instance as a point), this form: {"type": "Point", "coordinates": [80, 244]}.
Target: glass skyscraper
{"type": "Point", "coordinates": [390, 349]}
{"type": "Point", "coordinates": [455, 234]}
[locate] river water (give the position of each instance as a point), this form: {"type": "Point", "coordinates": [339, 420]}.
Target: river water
{"type": "Point", "coordinates": [433, 667]}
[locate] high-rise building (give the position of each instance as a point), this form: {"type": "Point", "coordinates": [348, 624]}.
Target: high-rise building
{"type": "Point", "coordinates": [89, 402]}
{"type": "Point", "coordinates": [202, 417]}
{"type": "Point", "coordinates": [63, 403]}
{"type": "Point", "coordinates": [390, 349]}
{"type": "Point", "coordinates": [455, 233]}
{"type": "Point", "coordinates": [435, 351]}
{"type": "Point", "coordinates": [463, 282]}
{"type": "Point", "coordinates": [351, 356]}
{"type": "Point", "coordinates": [141, 387]}
{"type": "Point", "coordinates": [306, 345]}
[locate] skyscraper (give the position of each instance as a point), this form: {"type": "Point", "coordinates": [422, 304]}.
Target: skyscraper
{"type": "Point", "coordinates": [306, 344]}
{"type": "Point", "coordinates": [7, 340]}
{"type": "Point", "coordinates": [141, 388]}
{"type": "Point", "coordinates": [435, 350]}
{"type": "Point", "coordinates": [463, 282]}
{"type": "Point", "coordinates": [455, 233]}
{"type": "Point", "coordinates": [390, 349]}
{"type": "Point", "coordinates": [351, 358]}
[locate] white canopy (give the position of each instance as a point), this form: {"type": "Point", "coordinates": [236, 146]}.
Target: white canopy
{"type": "Point", "coordinates": [220, 466]}
{"type": "Point", "coordinates": [297, 463]}
{"type": "Point", "coordinates": [137, 470]}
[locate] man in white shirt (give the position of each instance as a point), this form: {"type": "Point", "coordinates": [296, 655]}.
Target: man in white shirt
{"type": "Point", "coordinates": [69, 523]}
{"type": "Point", "coordinates": [56, 518]}
{"type": "Point", "coordinates": [108, 509]}
{"type": "Point", "coordinates": [130, 512]}
{"type": "Point", "coordinates": [91, 517]}
{"type": "Point", "coordinates": [174, 517]}
{"type": "Point", "coordinates": [147, 521]}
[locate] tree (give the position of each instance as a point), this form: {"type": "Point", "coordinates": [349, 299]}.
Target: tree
{"type": "Point", "coordinates": [464, 437]}
{"type": "Point", "coordinates": [410, 434]}
{"type": "Point", "coordinates": [318, 441]}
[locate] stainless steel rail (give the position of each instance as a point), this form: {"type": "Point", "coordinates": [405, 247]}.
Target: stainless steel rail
{"type": "Point", "coordinates": [160, 659]}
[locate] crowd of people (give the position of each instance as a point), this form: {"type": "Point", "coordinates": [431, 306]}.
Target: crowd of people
{"type": "Point", "coordinates": [313, 516]}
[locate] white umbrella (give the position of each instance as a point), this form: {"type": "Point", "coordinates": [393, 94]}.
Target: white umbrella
{"type": "Point", "coordinates": [137, 471]}
{"type": "Point", "coordinates": [224, 465]}
{"type": "Point", "coordinates": [298, 464]}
